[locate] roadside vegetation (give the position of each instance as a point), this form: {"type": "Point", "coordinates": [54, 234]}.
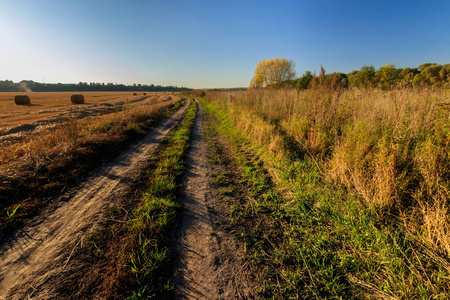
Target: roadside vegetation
{"type": "Point", "coordinates": [130, 258]}
{"type": "Point", "coordinates": [37, 169]}
{"type": "Point", "coordinates": [353, 185]}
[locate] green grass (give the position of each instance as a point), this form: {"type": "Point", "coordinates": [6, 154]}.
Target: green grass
{"type": "Point", "coordinates": [156, 214]}
{"type": "Point", "coordinates": [316, 240]}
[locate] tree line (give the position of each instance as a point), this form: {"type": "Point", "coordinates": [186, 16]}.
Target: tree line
{"type": "Point", "coordinates": [386, 77]}
{"type": "Point", "coordinates": [279, 73]}
{"type": "Point", "coordinates": [32, 86]}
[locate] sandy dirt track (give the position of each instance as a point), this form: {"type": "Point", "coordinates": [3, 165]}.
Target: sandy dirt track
{"type": "Point", "coordinates": [44, 249]}
{"type": "Point", "coordinates": [208, 265]}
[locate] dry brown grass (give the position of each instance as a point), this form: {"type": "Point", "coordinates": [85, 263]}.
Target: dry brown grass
{"type": "Point", "coordinates": [49, 104]}
{"type": "Point", "coordinates": [390, 148]}
{"type": "Point", "coordinates": [43, 163]}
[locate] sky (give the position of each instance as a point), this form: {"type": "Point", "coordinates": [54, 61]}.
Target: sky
{"type": "Point", "coordinates": [213, 43]}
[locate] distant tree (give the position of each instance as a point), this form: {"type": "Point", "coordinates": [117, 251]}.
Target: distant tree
{"type": "Point", "coordinates": [387, 75]}
{"type": "Point", "coordinates": [29, 85]}
{"type": "Point", "coordinates": [431, 74]}
{"type": "Point", "coordinates": [423, 66]}
{"type": "Point", "coordinates": [9, 86]}
{"type": "Point", "coordinates": [272, 72]}
{"type": "Point", "coordinates": [444, 74]}
{"type": "Point", "coordinates": [255, 83]}
{"type": "Point", "coordinates": [304, 81]}
{"type": "Point", "coordinates": [418, 80]}
{"type": "Point", "coordinates": [407, 75]}
{"type": "Point", "coordinates": [365, 77]}
{"type": "Point", "coordinates": [337, 80]}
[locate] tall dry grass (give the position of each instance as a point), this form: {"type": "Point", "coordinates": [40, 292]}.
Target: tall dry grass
{"type": "Point", "coordinates": [390, 148]}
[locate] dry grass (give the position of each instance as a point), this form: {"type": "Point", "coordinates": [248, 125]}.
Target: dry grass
{"type": "Point", "coordinates": [64, 138]}
{"type": "Point", "coordinates": [390, 149]}
{"type": "Point", "coordinates": [45, 105]}
{"type": "Point", "coordinates": [43, 163]}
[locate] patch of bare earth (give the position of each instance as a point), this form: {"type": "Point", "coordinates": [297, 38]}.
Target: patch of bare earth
{"type": "Point", "coordinates": [44, 248]}
{"type": "Point", "coordinates": [209, 261]}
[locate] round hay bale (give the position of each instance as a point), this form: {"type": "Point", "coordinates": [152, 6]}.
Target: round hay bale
{"type": "Point", "coordinates": [22, 100]}
{"type": "Point", "coordinates": [77, 99]}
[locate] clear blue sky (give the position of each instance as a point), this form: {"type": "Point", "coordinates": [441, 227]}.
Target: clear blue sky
{"type": "Point", "coordinates": [212, 43]}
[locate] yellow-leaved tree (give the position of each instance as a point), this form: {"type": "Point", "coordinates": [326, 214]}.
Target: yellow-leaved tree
{"type": "Point", "coordinates": [272, 71]}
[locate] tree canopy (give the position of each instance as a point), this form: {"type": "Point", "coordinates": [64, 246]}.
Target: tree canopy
{"type": "Point", "coordinates": [272, 72]}
{"type": "Point", "coordinates": [386, 77]}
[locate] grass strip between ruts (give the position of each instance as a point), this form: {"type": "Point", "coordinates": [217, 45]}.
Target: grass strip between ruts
{"type": "Point", "coordinates": [157, 212]}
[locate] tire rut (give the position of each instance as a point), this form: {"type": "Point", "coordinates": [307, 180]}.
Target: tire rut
{"type": "Point", "coordinates": [42, 250]}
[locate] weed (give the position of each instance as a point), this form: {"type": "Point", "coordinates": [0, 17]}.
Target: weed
{"type": "Point", "coordinates": [227, 191]}
{"type": "Point", "coordinates": [220, 180]}
{"type": "Point", "coordinates": [11, 214]}
{"type": "Point", "coordinates": [216, 160]}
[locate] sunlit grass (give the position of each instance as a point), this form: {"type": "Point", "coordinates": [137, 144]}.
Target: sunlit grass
{"type": "Point", "coordinates": [49, 161]}
{"type": "Point", "coordinates": [364, 178]}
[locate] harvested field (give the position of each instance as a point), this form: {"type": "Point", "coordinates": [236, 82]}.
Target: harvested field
{"type": "Point", "coordinates": [38, 165]}
{"type": "Point", "coordinates": [46, 105]}
{"type": "Point", "coordinates": [48, 109]}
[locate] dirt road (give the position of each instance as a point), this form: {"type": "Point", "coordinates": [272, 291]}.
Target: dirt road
{"type": "Point", "coordinates": [208, 265]}
{"type": "Point", "coordinates": [45, 248]}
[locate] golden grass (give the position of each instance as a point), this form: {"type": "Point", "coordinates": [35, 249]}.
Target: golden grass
{"type": "Point", "coordinates": [42, 164]}
{"type": "Point", "coordinates": [390, 148]}
{"type": "Point", "coordinates": [48, 104]}
{"type": "Point", "coordinates": [65, 138]}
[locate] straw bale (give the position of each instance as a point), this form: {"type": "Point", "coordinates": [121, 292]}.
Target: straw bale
{"type": "Point", "coordinates": [22, 100]}
{"type": "Point", "coordinates": [77, 99]}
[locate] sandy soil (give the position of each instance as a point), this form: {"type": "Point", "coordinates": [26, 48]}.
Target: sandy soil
{"type": "Point", "coordinates": [44, 248]}
{"type": "Point", "coordinates": [208, 260]}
